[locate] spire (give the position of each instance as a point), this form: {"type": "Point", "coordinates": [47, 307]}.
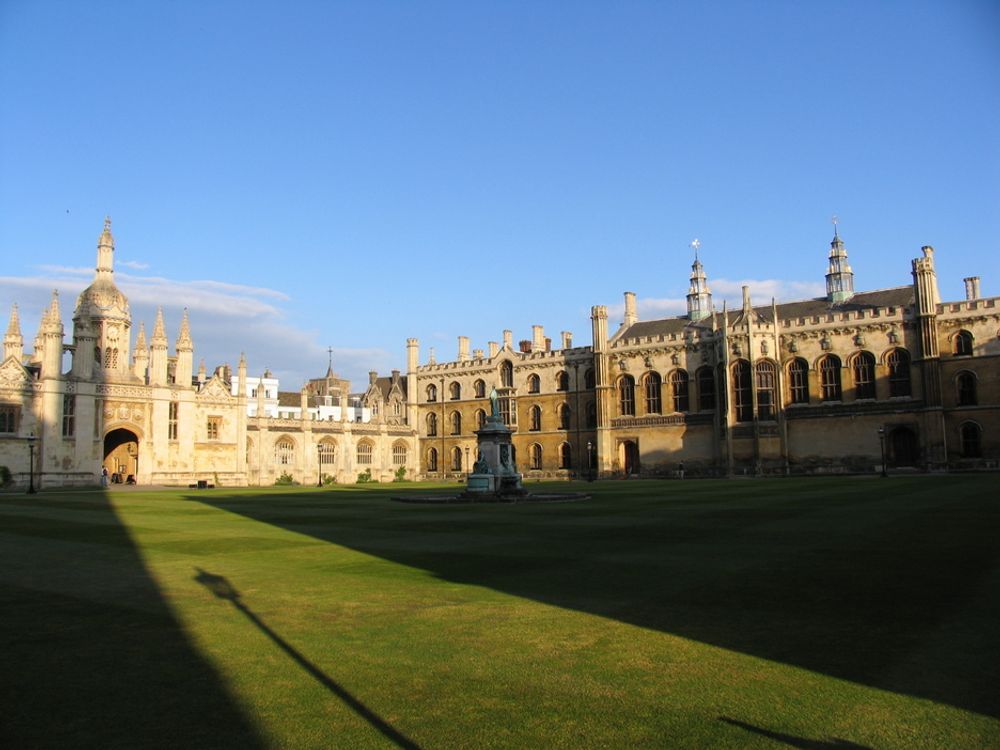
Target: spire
{"type": "Point", "coordinates": [159, 339]}
{"type": "Point", "coordinates": [52, 318]}
{"type": "Point", "coordinates": [13, 342]}
{"type": "Point", "coordinates": [105, 251]}
{"type": "Point", "coordinates": [14, 327]}
{"type": "Point", "coordinates": [699, 297]}
{"type": "Point", "coordinates": [329, 366]}
{"type": "Point", "coordinates": [839, 276]}
{"type": "Point", "coordinates": [184, 337]}
{"type": "Point", "coordinates": [140, 340]}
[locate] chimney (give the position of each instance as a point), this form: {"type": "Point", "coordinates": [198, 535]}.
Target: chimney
{"type": "Point", "coordinates": [395, 376]}
{"type": "Point", "coordinates": [494, 349]}
{"type": "Point", "coordinates": [477, 353]}
{"type": "Point", "coordinates": [630, 317]}
{"type": "Point", "coordinates": [971, 287]}
{"type": "Point", "coordinates": [548, 344]}
{"type": "Point", "coordinates": [508, 339]}
{"type": "Point", "coordinates": [567, 340]}
{"type": "Point", "coordinates": [524, 346]}
{"type": "Point", "coordinates": [372, 377]}
{"type": "Point", "coordinates": [537, 338]}
{"type": "Point", "coordinates": [463, 348]}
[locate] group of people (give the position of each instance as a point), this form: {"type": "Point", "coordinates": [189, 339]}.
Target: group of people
{"type": "Point", "coordinates": [115, 477]}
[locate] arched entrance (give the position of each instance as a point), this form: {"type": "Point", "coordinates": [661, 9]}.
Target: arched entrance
{"type": "Point", "coordinates": [121, 455]}
{"type": "Point", "coordinates": [629, 456]}
{"type": "Point", "coordinates": [904, 450]}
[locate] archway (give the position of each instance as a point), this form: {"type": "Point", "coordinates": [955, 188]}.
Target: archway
{"type": "Point", "coordinates": [121, 454]}
{"type": "Point", "coordinates": [904, 450]}
{"type": "Point", "coordinates": [630, 456]}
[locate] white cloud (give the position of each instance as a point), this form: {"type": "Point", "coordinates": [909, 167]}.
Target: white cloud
{"type": "Point", "coordinates": [135, 265]}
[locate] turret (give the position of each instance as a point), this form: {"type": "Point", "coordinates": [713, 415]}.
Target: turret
{"type": "Point", "coordinates": [140, 359]}
{"type": "Point", "coordinates": [839, 276]}
{"type": "Point", "coordinates": [925, 288]}
{"type": "Point", "coordinates": [50, 332]}
{"type": "Point", "coordinates": [699, 298]}
{"type": "Point", "coordinates": [631, 317]}
{"type": "Point", "coordinates": [158, 352]}
{"type": "Point", "coordinates": [242, 375]}
{"type": "Point", "coordinates": [185, 353]}
{"type": "Point", "coordinates": [13, 343]}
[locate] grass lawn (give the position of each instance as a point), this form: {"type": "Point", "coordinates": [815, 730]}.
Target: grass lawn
{"type": "Point", "coordinates": [807, 613]}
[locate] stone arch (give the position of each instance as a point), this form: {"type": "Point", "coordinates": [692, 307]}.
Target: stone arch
{"type": "Point", "coordinates": [121, 453]}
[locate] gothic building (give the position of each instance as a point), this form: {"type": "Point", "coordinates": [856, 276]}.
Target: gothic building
{"type": "Point", "coordinates": [818, 385]}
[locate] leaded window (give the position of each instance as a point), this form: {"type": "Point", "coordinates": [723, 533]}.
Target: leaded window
{"type": "Point", "coordinates": [829, 378]}
{"type": "Point", "coordinates": [679, 390]}
{"type": "Point", "coordinates": [651, 384]}
{"type": "Point", "coordinates": [706, 389]}
{"type": "Point", "coordinates": [863, 369]}
{"type": "Point", "coordinates": [798, 381]}
{"type": "Point", "coordinates": [626, 396]}
{"type": "Point", "coordinates": [898, 362]}
{"type": "Point", "coordinates": [742, 395]}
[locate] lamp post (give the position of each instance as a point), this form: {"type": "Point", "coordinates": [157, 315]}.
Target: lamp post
{"type": "Point", "coordinates": [881, 442]}
{"type": "Point", "coordinates": [31, 464]}
{"type": "Point", "coordinates": [319, 464]}
{"type": "Point", "coordinates": [467, 467]}
{"type": "Point", "coordinates": [590, 460]}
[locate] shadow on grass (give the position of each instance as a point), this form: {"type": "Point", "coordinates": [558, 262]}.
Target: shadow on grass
{"type": "Point", "coordinates": [891, 584]}
{"type": "Point", "coordinates": [90, 654]}
{"type": "Point", "coordinates": [793, 741]}
{"type": "Point", "coordinates": [224, 590]}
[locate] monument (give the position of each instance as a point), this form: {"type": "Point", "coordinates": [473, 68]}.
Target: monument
{"type": "Point", "coordinates": [495, 470]}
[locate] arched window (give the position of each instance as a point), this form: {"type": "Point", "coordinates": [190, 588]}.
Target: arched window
{"type": "Point", "coordinates": [798, 381]}
{"type": "Point", "coordinates": [591, 414]}
{"type": "Point", "coordinates": [742, 396]}
{"type": "Point", "coordinates": [965, 383]}
{"type": "Point", "coordinates": [706, 389]}
{"type": "Point", "coordinates": [765, 376]}
{"type": "Point", "coordinates": [284, 452]}
{"type": "Point", "coordinates": [432, 425]}
{"type": "Point", "coordinates": [535, 456]}
{"type": "Point", "coordinates": [562, 381]}
{"type": "Point", "coordinates": [456, 391]}
{"type": "Point", "coordinates": [972, 440]}
{"type": "Point", "coordinates": [535, 418]}
{"type": "Point", "coordinates": [456, 423]}
{"type": "Point", "coordinates": [564, 417]}
{"type": "Point", "coordinates": [432, 393]}
{"type": "Point", "coordinates": [327, 454]}
{"type": "Point", "coordinates": [364, 453]}
{"type": "Point", "coordinates": [399, 454]}
{"type": "Point", "coordinates": [863, 369]}
{"type": "Point", "coordinates": [898, 363]}
{"type": "Point", "coordinates": [432, 459]}
{"type": "Point", "coordinates": [651, 384]}
{"type": "Point", "coordinates": [829, 378]}
{"type": "Point", "coordinates": [534, 383]}
{"type": "Point", "coordinates": [626, 396]}
{"type": "Point", "coordinates": [589, 381]}
{"type": "Point", "coordinates": [565, 456]}
{"type": "Point", "coordinates": [963, 344]}
{"type": "Point", "coordinates": [456, 459]}
{"type": "Point", "coordinates": [479, 388]}
{"type": "Point", "coordinates": [679, 390]}
{"type": "Point", "coordinates": [480, 419]}
{"type": "Point", "coordinates": [506, 374]}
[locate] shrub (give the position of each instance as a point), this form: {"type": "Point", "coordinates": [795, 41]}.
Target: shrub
{"type": "Point", "coordinates": [329, 479]}
{"type": "Point", "coordinates": [365, 476]}
{"type": "Point", "coordinates": [284, 480]}
{"type": "Point", "coordinates": [400, 474]}
{"type": "Point", "coordinates": [5, 477]}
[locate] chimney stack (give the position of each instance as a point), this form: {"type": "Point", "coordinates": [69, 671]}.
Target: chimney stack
{"type": "Point", "coordinates": [971, 287]}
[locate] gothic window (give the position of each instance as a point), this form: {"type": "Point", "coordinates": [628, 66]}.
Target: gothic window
{"type": "Point", "coordinates": [626, 396]}
{"type": "Point", "coordinates": [798, 381]}
{"type": "Point", "coordinates": [534, 384]}
{"type": "Point", "coordinates": [456, 391]}
{"type": "Point", "coordinates": [706, 389]}
{"type": "Point", "coordinates": [591, 414]}
{"type": "Point", "coordinates": [742, 396]}
{"type": "Point", "coordinates": [963, 344]}
{"type": "Point", "coordinates": [565, 456]}
{"type": "Point", "coordinates": [480, 419]}
{"type": "Point", "coordinates": [972, 440]}
{"type": "Point", "coordinates": [651, 385]}
{"type": "Point", "coordinates": [432, 393]}
{"type": "Point", "coordinates": [535, 456]}
{"type": "Point", "coordinates": [97, 355]}
{"type": "Point", "coordinates": [829, 378]}
{"type": "Point", "coordinates": [399, 454]}
{"type": "Point", "coordinates": [456, 423]}
{"type": "Point", "coordinates": [564, 417]}
{"type": "Point", "coordinates": [8, 418]}
{"type": "Point", "coordinates": [172, 420]}
{"type": "Point", "coordinates": [456, 459]}
{"type": "Point", "coordinates": [327, 454]}
{"type": "Point", "coordinates": [479, 388]}
{"type": "Point", "coordinates": [679, 390]}
{"type": "Point", "coordinates": [213, 426]}
{"type": "Point", "coordinates": [107, 358]}
{"type": "Point", "coordinates": [535, 418]}
{"type": "Point", "coordinates": [432, 425]}
{"type": "Point", "coordinates": [863, 369]}
{"type": "Point", "coordinates": [898, 362]}
{"type": "Point", "coordinates": [589, 381]}
{"type": "Point", "coordinates": [364, 454]}
{"type": "Point", "coordinates": [506, 374]}
{"type": "Point", "coordinates": [69, 415]}
{"type": "Point", "coordinates": [765, 375]}
{"type": "Point", "coordinates": [562, 381]}
{"type": "Point", "coordinates": [284, 452]}
{"type": "Point", "coordinates": [432, 459]}
{"type": "Point", "coordinates": [965, 383]}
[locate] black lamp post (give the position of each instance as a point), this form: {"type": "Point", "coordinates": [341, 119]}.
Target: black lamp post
{"type": "Point", "coordinates": [467, 467]}
{"type": "Point", "coordinates": [31, 464]}
{"type": "Point", "coordinates": [319, 465]}
{"type": "Point", "coordinates": [590, 460]}
{"type": "Point", "coordinates": [881, 442]}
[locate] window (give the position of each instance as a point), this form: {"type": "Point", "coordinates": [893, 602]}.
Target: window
{"type": "Point", "coordinates": [534, 384]}
{"type": "Point", "coordinates": [564, 413]}
{"type": "Point", "coordinates": [565, 456]}
{"type": "Point", "coordinates": [432, 459]}
{"type": "Point", "coordinates": [972, 440]}
{"type": "Point", "coordinates": [963, 344]}
{"type": "Point", "coordinates": [507, 374]}
{"type": "Point", "coordinates": [69, 415]}
{"type": "Point", "coordinates": [966, 386]}
{"type": "Point", "coordinates": [212, 427]}
{"type": "Point", "coordinates": [829, 378]}
{"type": "Point", "coordinates": [110, 358]}
{"type": "Point", "coordinates": [284, 452]}
{"type": "Point", "coordinates": [8, 418]}
{"type": "Point", "coordinates": [591, 414]}
{"type": "Point", "coordinates": [706, 389]}
{"type": "Point", "coordinates": [480, 419]}
{"type": "Point", "coordinates": [742, 397]}
{"type": "Point", "coordinates": [172, 421]}
{"type": "Point", "coordinates": [562, 381]}
{"type": "Point", "coordinates": [432, 425]}
{"type": "Point", "coordinates": [898, 362]}
{"type": "Point", "coordinates": [535, 418]}
{"type": "Point", "coordinates": [327, 454]}
{"type": "Point", "coordinates": [364, 454]}
{"type": "Point", "coordinates": [535, 456]}
{"type": "Point", "coordinates": [589, 381]}
{"type": "Point", "coordinates": [863, 369]}
{"type": "Point", "coordinates": [456, 459]}
{"type": "Point", "coordinates": [399, 454]}
{"type": "Point", "coordinates": [765, 376]}
{"type": "Point", "coordinates": [479, 388]}
{"type": "Point", "coordinates": [508, 411]}
{"type": "Point", "coordinates": [456, 391]}
{"type": "Point", "coordinates": [456, 423]}
{"type": "Point", "coordinates": [679, 390]}
{"type": "Point", "coordinates": [798, 381]}
{"type": "Point", "coordinates": [626, 396]}
{"type": "Point", "coordinates": [651, 385]}
{"type": "Point", "coordinates": [432, 393]}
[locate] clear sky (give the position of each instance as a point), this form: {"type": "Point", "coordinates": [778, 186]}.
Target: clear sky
{"type": "Point", "coordinates": [304, 175]}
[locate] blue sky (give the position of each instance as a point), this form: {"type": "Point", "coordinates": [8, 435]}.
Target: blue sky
{"type": "Point", "coordinates": [304, 175]}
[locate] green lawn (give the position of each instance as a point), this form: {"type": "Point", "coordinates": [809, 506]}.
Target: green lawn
{"type": "Point", "coordinates": [809, 613]}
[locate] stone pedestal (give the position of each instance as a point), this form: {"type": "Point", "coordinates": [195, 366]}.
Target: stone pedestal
{"type": "Point", "coordinates": [494, 471]}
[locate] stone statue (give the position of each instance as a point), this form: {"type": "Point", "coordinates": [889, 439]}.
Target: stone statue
{"type": "Point", "coordinates": [494, 403]}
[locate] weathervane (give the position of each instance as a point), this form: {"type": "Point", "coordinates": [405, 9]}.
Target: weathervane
{"type": "Point", "coordinates": [329, 352]}
{"type": "Point", "coordinates": [696, 243]}
{"type": "Point", "coordinates": [834, 220]}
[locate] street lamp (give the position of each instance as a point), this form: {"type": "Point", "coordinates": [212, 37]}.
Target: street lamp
{"type": "Point", "coordinates": [467, 467]}
{"type": "Point", "coordinates": [319, 464]}
{"type": "Point", "coordinates": [590, 460]}
{"type": "Point", "coordinates": [31, 464]}
{"type": "Point", "coordinates": [881, 442]}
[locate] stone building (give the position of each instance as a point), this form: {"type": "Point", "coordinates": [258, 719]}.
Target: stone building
{"type": "Point", "coordinates": [819, 385]}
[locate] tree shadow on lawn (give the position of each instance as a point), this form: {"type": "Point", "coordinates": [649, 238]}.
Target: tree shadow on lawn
{"type": "Point", "coordinates": [90, 653]}
{"type": "Point", "coordinates": [893, 585]}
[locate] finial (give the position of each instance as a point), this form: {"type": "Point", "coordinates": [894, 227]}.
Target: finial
{"type": "Point", "coordinates": [329, 361]}
{"type": "Point", "coordinates": [696, 243]}
{"type": "Point", "coordinates": [834, 220]}
{"type": "Point", "coordinates": [107, 223]}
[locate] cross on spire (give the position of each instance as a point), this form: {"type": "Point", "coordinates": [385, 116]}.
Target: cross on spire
{"type": "Point", "coordinates": [696, 243]}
